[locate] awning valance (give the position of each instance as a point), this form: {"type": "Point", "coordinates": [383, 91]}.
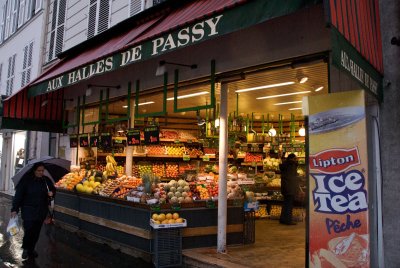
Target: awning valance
{"type": "Point", "coordinates": [190, 23]}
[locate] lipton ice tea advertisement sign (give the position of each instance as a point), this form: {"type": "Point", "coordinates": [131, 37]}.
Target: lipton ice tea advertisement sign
{"type": "Point", "coordinates": [339, 233]}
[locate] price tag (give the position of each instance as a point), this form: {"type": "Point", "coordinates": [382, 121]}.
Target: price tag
{"type": "Point", "coordinates": [186, 157]}
{"type": "Point", "coordinates": [106, 140]}
{"type": "Point", "coordinates": [177, 141]}
{"type": "Point", "coordinates": [84, 140]}
{"type": "Point", "coordinates": [94, 140]}
{"type": "Point", "coordinates": [152, 135]}
{"type": "Point", "coordinates": [133, 137]}
{"type": "Point", "coordinates": [206, 158]}
{"type": "Point", "coordinates": [253, 164]}
{"type": "Point", "coordinates": [189, 141]}
{"type": "Point", "coordinates": [73, 141]}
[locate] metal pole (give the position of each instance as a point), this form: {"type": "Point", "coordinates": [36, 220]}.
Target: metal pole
{"type": "Point", "coordinates": [223, 166]}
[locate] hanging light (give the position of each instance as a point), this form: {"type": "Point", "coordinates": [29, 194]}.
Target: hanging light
{"type": "Point", "coordinates": [272, 131]}
{"type": "Point", "coordinates": [302, 131]}
{"type": "Point", "coordinates": [217, 122]}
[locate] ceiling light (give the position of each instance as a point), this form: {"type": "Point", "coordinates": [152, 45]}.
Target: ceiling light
{"type": "Point", "coordinates": [145, 103]}
{"type": "Point", "coordinates": [302, 131]}
{"type": "Point", "coordinates": [264, 87]}
{"type": "Point", "coordinates": [283, 95]}
{"type": "Point", "coordinates": [301, 78]}
{"type": "Point", "coordinates": [272, 131]}
{"type": "Point", "coordinates": [190, 95]}
{"type": "Point", "coordinates": [217, 122]}
{"type": "Point", "coordinates": [297, 108]}
{"type": "Point", "coordinates": [289, 102]}
{"type": "Point", "coordinates": [125, 106]}
{"type": "Point", "coordinates": [319, 88]}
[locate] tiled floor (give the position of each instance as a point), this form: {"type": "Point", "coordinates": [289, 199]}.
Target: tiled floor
{"type": "Point", "coordinates": [276, 245]}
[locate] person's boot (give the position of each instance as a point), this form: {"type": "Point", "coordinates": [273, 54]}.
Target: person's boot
{"type": "Point", "coordinates": [34, 254]}
{"type": "Point", "coordinates": [25, 254]}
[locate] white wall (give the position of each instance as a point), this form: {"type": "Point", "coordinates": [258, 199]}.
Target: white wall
{"type": "Point", "coordinates": [15, 44]}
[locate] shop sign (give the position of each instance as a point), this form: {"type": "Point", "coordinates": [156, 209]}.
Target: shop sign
{"type": "Point", "coordinates": [338, 163]}
{"type": "Point", "coordinates": [106, 140]}
{"type": "Point", "coordinates": [210, 27]}
{"type": "Point", "coordinates": [94, 140]}
{"type": "Point", "coordinates": [186, 157]}
{"type": "Point", "coordinates": [133, 137]}
{"type": "Point", "coordinates": [73, 141]}
{"type": "Point", "coordinates": [152, 135]}
{"type": "Point", "coordinates": [346, 57]}
{"type": "Point", "coordinates": [83, 140]}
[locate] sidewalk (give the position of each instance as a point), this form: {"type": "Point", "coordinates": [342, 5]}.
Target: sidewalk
{"type": "Point", "coordinates": [276, 245]}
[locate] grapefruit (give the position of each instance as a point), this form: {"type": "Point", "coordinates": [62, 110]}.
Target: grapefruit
{"type": "Point", "coordinates": [175, 216]}
{"type": "Point", "coordinates": [168, 216]}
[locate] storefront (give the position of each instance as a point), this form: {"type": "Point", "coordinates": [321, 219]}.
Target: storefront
{"type": "Point", "coordinates": [223, 107]}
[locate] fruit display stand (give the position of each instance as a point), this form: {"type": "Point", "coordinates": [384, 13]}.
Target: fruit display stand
{"type": "Point", "coordinates": [125, 225]}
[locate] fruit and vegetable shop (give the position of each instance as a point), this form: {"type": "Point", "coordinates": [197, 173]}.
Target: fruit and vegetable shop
{"type": "Point", "coordinates": [179, 128]}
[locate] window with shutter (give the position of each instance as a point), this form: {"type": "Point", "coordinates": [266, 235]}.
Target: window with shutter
{"type": "Point", "coordinates": [1, 73]}
{"type": "Point", "coordinates": [29, 9]}
{"type": "Point", "coordinates": [14, 16]}
{"type": "Point", "coordinates": [3, 11]}
{"type": "Point", "coordinates": [8, 20]}
{"type": "Point", "coordinates": [99, 17]}
{"type": "Point", "coordinates": [135, 6]}
{"type": "Point", "coordinates": [21, 13]}
{"type": "Point", "coordinates": [38, 5]}
{"type": "Point", "coordinates": [10, 75]}
{"type": "Point", "coordinates": [27, 64]}
{"type": "Point", "coordinates": [57, 28]}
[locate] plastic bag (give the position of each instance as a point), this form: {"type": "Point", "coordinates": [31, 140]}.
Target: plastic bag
{"type": "Point", "coordinates": [13, 226]}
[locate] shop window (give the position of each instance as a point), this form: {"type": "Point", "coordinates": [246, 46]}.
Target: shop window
{"type": "Point", "coordinates": [99, 17]}
{"type": "Point", "coordinates": [53, 144]}
{"type": "Point", "coordinates": [10, 74]}
{"type": "Point", "coordinates": [19, 151]}
{"type": "Point", "coordinates": [27, 65]}
{"type": "Point", "coordinates": [136, 6]}
{"type": "Point", "coordinates": [71, 115]}
{"type": "Point", "coordinates": [57, 29]}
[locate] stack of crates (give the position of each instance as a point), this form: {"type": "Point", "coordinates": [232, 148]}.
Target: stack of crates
{"type": "Point", "coordinates": [167, 247]}
{"type": "Point", "coordinates": [249, 227]}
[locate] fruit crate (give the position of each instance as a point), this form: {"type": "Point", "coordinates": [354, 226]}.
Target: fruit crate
{"type": "Point", "coordinates": [167, 247]}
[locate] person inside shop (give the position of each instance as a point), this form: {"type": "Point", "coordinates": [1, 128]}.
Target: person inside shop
{"type": "Point", "coordinates": [32, 196]}
{"type": "Point", "coordinates": [289, 188]}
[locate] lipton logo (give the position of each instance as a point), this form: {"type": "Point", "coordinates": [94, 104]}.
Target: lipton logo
{"type": "Point", "coordinates": [335, 160]}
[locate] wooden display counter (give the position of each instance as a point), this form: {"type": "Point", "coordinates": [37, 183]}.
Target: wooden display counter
{"type": "Point", "coordinates": [127, 224]}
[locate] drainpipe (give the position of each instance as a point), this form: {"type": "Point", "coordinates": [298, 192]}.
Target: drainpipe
{"type": "Point", "coordinates": [223, 166]}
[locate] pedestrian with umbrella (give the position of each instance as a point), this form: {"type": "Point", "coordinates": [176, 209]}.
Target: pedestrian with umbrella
{"type": "Point", "coordinates": [33, 195]}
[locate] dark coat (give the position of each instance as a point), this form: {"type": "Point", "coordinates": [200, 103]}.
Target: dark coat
{"type": "Point", "coordinates": [289, 180]}
{"type": "Point", "coordinates": [32, 198]}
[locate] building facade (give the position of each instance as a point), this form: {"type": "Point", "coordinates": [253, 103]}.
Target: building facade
{"type": "Point", "coordinates": [21, 40]}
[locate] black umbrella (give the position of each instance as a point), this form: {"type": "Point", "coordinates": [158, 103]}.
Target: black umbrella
{"type": "Point", "coordinates": [56, 168]}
